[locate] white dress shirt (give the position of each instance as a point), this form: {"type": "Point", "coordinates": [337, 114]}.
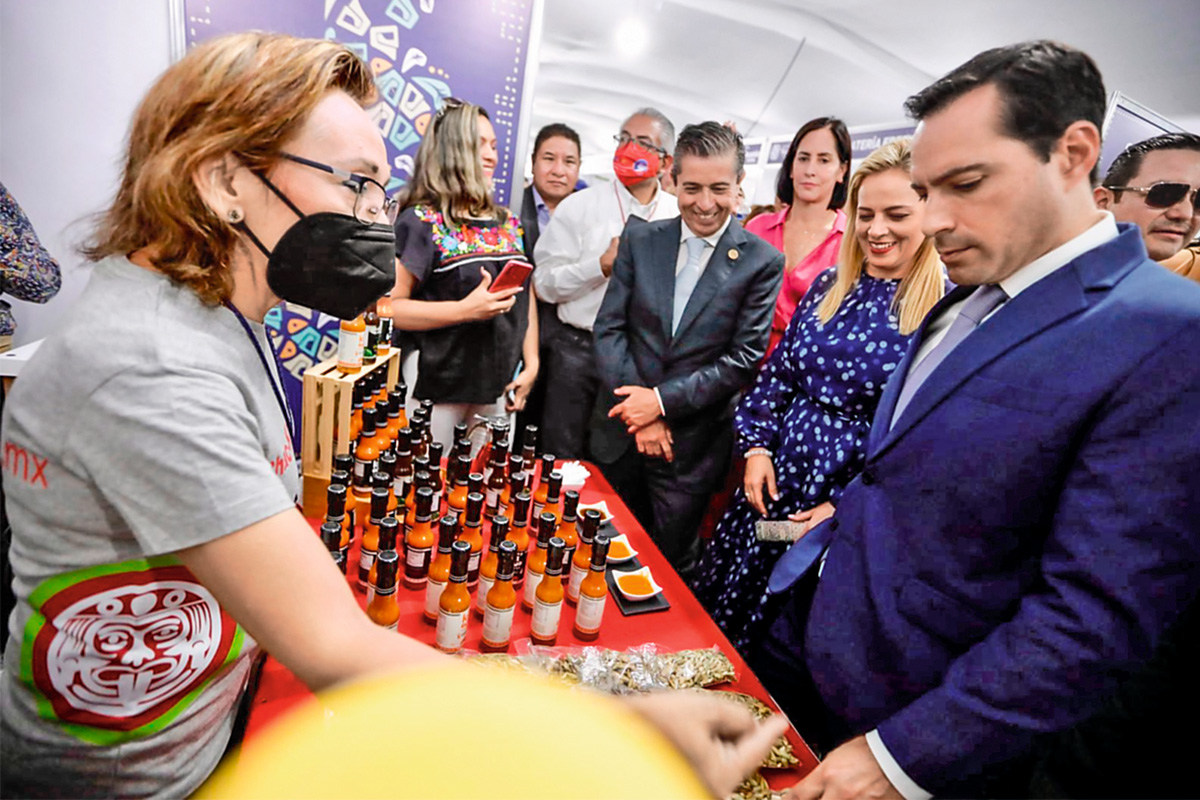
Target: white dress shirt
{"type": "Point", "coordinates": [568, 252]}
{"type": "Point", "coordinates": [1098, 234]}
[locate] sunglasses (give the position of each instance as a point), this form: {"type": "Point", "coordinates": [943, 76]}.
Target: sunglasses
{"type": "Point", "coordinates": [1163, 194]}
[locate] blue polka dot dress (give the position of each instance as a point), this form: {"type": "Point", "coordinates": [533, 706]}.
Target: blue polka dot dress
{"type": "Point", "coordinates": [811, 406]}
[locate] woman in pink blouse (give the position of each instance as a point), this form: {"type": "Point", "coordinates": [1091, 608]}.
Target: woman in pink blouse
{"type": "Point", "coordinates": [808, 230]}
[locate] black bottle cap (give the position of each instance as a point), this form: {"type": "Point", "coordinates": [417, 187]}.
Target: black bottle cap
{"type": "Point", "coordinates": [344, 462]}
{"type": "Point", "coordinates": [589, 524]}
{"type": "Point", "coordinates": [447, 530]}
{"type": "Point", "coordinates": [389, 531]}
{"type": "Point", "coordinates": [554, 558]}
{"type": "Point", "coordinates": [331, 536]}
{"type": "Point", "coordinates": [506, 559]}
{"type": "Point", "coordinates": [424, 502]}
{"type": "Point", "coordinates": [460, 559]}
{"type": "Point", "coordinates": [379, 502]}
{"type": "Point", "coordinates": [387, 464]}
{"type": "Point", "coordinates": [547, 524]}
{"type": "Point", "coordinates": [368, 428]}
{"type": "Point", "coordinates": [600, 551]}
{"type": "Point", "coordinates": [521, 509]}
{"type": "Point", "coordinates": [474, 508]}
{"type": "Point", "coordinates": [570, 504]}
{"type": "Point", "coordinates": [335, 498]}
{"type": "Point", "coordinates": [499, 531]}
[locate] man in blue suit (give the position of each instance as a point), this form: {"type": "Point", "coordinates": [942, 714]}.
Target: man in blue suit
{"type": "Point", "coordinates": [680, 332]}
{"type": "Point", "coordinates": [1027, 523]}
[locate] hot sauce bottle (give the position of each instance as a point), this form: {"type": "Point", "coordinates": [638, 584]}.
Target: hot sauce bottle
{"type": "Point", "coordinates": [472, 534]}
{"type": "Point", "coordinates": [365, 456]}
{"type": "Point", "coordinates": [343, 470]}
{"type": "Point", "coordinates": [456, 500]}
{"type": "Point", "coordinates": [439, 569]}
{"type": "Point", "coordinates": [593, 592]}
{"type": "Point", "coordinates": [335, 512]}
{"type": "Point", "coordinates": [388, 532]}
{"type": "Point", "coordinates": [418, 544]}
{"type": "Point", "coordinates": [554, 496]}
{"type": "Point", "coordinates": [396, 419]}
{"type": "Point", "coordinates": [421, 481]}
{"type": "Point", "coordinates": [499, 441]}
{"type": "Point", "coordinates": [384, 309]}
{"type": "Point", "coordinates": [548, 599]}
{"type": "Point", "coordinates": [356, 408]}
{"type": "Point", "coordinates": [383, 440]}
{"type": "Point", "coordinates": [499, 603]}
{"type": "Point", "coordinates": [403, 477]}
{"type": "Point", "coordinates": [331, 537]}
{"type": "Point", "coordinates": [383, 479]}
{"type": "Point", "coordinates": [529, 448]}
{"type": "Point", "coordinates": [489, 565]}
{"type": "Point", "coordinates": [350, 345]}
{"type": "Point", "coordinates": [371, 322]}
{"type": "Point", "coordinates": [370, 537]}
{"type": "Point", "coordinates": [543, 488]}
{"type": "Point", "coordinates": [436, 474]}
{"type": "Point", "coordinates": [566, 528]}
{"type": "Point", "coordinates": [454, 604]}
{"type": "Point", "coordinates": [519, 535]}
{"type": "Point", "coordinates": [535, 567]}
{"type": "Point", "coordinates": [583, 555]}
{"type": "Point", "coordinates": [399, 397]}
{"type": "Point", "coordinates": [516, 482]}
{"type": "Point", "coordinates": [383, 609]}
{"type": "Point", "coordinates": [496, 481]}
{"type": "Point", "coordinates": [369, 390]}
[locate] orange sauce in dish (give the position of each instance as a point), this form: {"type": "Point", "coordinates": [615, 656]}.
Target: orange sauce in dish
{"type": "Point", "coordinates": [618, 550]}
{"type": "Point", "coordinates": [636, 584]}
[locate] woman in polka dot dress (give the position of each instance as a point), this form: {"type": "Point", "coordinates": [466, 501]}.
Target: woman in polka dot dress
{"type": "Point", "coordinates": [803, 425]}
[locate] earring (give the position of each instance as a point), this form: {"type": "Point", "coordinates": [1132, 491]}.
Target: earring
{"type": "Point", "coordinates": [235, 215]}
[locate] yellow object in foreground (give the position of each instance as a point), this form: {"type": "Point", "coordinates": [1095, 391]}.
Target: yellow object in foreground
{"type": "Point", "coordinates": [453, 732]}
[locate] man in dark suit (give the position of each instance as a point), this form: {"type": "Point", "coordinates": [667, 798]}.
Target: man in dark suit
{"type": "Point", "coordinates": [1027, 522]}
{"type": "Point", "coordinates": [679, 334]}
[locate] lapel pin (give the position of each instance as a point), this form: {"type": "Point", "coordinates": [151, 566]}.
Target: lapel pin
{"type": "Point", "coordinates": [733, 254]}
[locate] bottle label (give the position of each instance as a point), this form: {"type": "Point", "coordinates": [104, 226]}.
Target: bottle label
{"type": "Point", "coordinates": [577, 576]}
{"type": "Point", "coordinates": [590, 613]}
{"type": "Point", "coordinates": [361, 471]}
{"type": "Point", "coordinates": [532, 579]}
{"type": "Point", "coordinates": [493, 500]}
{"type": "Point", "coordinates": [349, 354]}
{"type": "Point", "coordinates": [497, 625]}
{"type": "Point", "coordinates": [451, 630]}
{"type": "Point", "coordinates": [433, 595]}
{"type": "Point", "coordinates": [519, 566]}
{"type": "Point", "coordinates": [568, 563]}
{"type": "Point", "coordinates": [545, 619]}
{"type": "Point", "coordinates": [437, 504]}
{"type": "Point", "coordinates": [473, 566]}
{"type": "Point", "coordinates": [536, 513]}
{"type": "Point", "coordinates": [416, 563]}
{"type": "Point", "coordinates": [365, 559]}
{"type": "Point", "coordinates": [485, 586]}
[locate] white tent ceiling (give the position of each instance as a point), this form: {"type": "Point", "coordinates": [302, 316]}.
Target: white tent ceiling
{"type": "Point", "coordinates": [769, 65]}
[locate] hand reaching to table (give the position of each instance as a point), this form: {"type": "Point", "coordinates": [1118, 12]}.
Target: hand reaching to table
{"type": "Point", "coordinates": [723, 742]}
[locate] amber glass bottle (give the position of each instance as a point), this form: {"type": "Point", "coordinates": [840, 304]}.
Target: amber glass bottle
{"type": "Point", "coordinates": [331, 537]}
{"type": "Point", "coordinates": [487, 568]}
{"type": "Point", "coordinates": [567, 529]}
{"type": "Point", "coordinates": [554, 496]}
{"type": "Point", "coordinates": [535, 568]}
{"type": "Point", "coordinates": [383, 609]}
{"type": "Point", "coordinates": [420, 481]}
{"type": "Point", "coordinates": [593, 593]}
{"type": "Point", "coordinates": [439, 569]}
{"type": "Point", "coordinates": [499, 604]}
{"type": "Point", "coordinates": [548, 599]}
{"type": "Point", "coordinates": [402, 481]}
{"type": "Point", "coordinates": [388, 531]}
{"type": "Point", "coordinates": [472, 534]}
{"type": "Point", "coordinates": [454, 604]}
{"type": "Point", "coordinates": [365, 456]}
{"type": "Point", "coordinates": [383, 479]}
{"type": "Point", "coordinates": [350, 345]}
{"type": "Point", "coordinates": [456, 500]}
{"type": "Point", "coordinates": [383, 440]}
{"type": "Point", "coordinates": [496, 481]}
{"type": "Point", "coordinates": [519, 535]}
{"type": "Point", "coordinates": [529, 449]}
{"type": "Point", "coordinates": [583, 555]}
{"type": "Point", "coordinates": [419, 543]}
{"type": "Point", "coordinates": [370, 537]}
{"type": "Point", "coordinates": [543, 487]}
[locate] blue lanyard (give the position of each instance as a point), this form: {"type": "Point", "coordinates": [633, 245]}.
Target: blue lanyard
{"type": "Point", "coordinates": [279, 398]}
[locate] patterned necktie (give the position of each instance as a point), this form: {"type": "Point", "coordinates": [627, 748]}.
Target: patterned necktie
{"type": "Point", "coordinates": [982, 302]}
{"type": "Point", "coordinates": [686, 280]}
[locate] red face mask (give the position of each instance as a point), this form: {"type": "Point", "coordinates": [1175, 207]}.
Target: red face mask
{"type": "Point", "coordinates": [634, 163]}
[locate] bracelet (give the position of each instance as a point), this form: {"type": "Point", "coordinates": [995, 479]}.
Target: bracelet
{"type": "Point", "coordinates": [757, 451]}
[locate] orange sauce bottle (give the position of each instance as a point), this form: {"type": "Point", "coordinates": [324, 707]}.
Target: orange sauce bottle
{"type": "Point", "coordinates": [543, 487]}
{"type": "Point", "coordinates": [553, 503]}
{"type": "Point", "coordinates": [331, 537]}
{"type": "Point", "coordinates": [566, 528]}
{"type": "Point", "coordinates": [365, 456]}
{"type": "Point", "coordinates": [593, 593]}
{"type": "Point", "coordinates": [496, 481]}
{"type": "Point", "coordinates": [519, 535]}
{"type": "Point", "coordinates": [583, 555]}
{"type": "Point", "coordinates": [472, 534]}
{"type": "Point", "coordinates": [548, 600]}
{"type": "Point", "coordinates": [369, 389]}
{"type": "Point", "coordinates": [370, 537]}
{"type": "Point", "coordinates": [439, 570]}
{"type": "Point", "coordinates": [535, 567]}
{"type": "Point", "coordinates": [454, 603]}
{"type": "Point", "coordinates": [383, 440]}
{"type": "Point", "coordinates": [383, 609]}
{"type": "Point", "coordinates": [383, 479]}
{"type": "Point", "coordinates": [335, 512]}
{"type": "Point", "coordinates": [499, 603]}
{"type": "Point", "coordinates": [400, 400]}
{"type": "Point", "coordinates": [418, 545]}
{"type": "Point", "coordinates": [456, 500]}
{"type": "Point", "coordinates": [490, 563]}
{"type": "Point", "coordinates": [421, 481]}
{"type": "Point", "coordinates": [351, 334]}
{"type": "Point", "coordinates": [388, 530]}
{"type": "Point", "coordinates": [516, 482]}
{"type": "Point", "coordinates": [381, 389]}
{"type": "Point", "coordinates": [396, 419]}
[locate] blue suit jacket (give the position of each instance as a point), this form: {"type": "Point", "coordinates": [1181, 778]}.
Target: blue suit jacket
{"type": "Point", "coordinates": [1021, 537]}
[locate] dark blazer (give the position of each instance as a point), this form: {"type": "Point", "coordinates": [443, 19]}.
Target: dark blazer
{"type": "Point", "coordinates": [529, 222]}
{"type": "Point", "coordinates": [701, 369]}
{"type": "Point", "coordinates": [1021, 538]}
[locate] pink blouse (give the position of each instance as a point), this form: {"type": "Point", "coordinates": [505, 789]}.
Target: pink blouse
{"type": "Point", "coordinates": [797, 278]}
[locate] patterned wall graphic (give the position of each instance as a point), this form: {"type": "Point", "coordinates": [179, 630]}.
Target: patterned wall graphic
{"type": "Point", "coordinates": [420, 51]}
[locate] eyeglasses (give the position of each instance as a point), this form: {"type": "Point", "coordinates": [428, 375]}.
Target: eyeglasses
{"type": "Point", "coordinates": [645, 141]}
{"type": "Point", "coordinates": [1163, 194]}
{"type": "Point", "coordinates": [371, 198]}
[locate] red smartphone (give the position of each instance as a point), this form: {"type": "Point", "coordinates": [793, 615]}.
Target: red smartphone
{"type": "Point", "coordinates": [512, 276]}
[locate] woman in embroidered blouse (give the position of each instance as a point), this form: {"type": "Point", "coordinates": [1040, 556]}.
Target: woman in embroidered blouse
{"type": "Point", "coordinates": [803, 425]}
{"type": "Point", "coordinates": [808, 230]}
{"type": "Point", "coordinates": [452, 241]}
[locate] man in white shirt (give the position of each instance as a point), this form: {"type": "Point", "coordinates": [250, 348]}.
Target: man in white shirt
{"type": "Point", "coordinates": [1027, 521]}
{"type": "Point", "coordinates": [574, 258]}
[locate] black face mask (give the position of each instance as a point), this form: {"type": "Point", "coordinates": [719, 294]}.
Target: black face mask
{"type": "Point", "coordinates": [330, 262]}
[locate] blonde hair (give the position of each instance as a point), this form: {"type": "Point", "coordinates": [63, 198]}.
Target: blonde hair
{"type": "Point", "coordinates": [448, 174]}
{"type": "Point", "coordinates": [924, 284]}
{"type": "Point", "coordinates": [244, 94]}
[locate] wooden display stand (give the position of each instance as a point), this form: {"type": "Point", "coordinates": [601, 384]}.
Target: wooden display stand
{"type": "Point", "coordinates": [328, 402]}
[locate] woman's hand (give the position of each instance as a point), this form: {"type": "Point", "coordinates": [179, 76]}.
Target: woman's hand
{"type": "Point", "coordinates": [517, 392]}
{"type": "Point", "coordinates": [481, 304]}
{"type": "Point", "coordinates": [813, 516]}
{"type": "Point", "coordinates": [759, 471]}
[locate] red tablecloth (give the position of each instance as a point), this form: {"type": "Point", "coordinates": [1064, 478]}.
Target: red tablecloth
{"type": "Point", "coordinates": [682, 627]}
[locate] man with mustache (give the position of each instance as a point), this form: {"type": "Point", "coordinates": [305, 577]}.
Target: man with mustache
{"type": "Point", "coordinates": [1027, 522]}
{"type": "Point", "coordinates": [1153, 184]}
